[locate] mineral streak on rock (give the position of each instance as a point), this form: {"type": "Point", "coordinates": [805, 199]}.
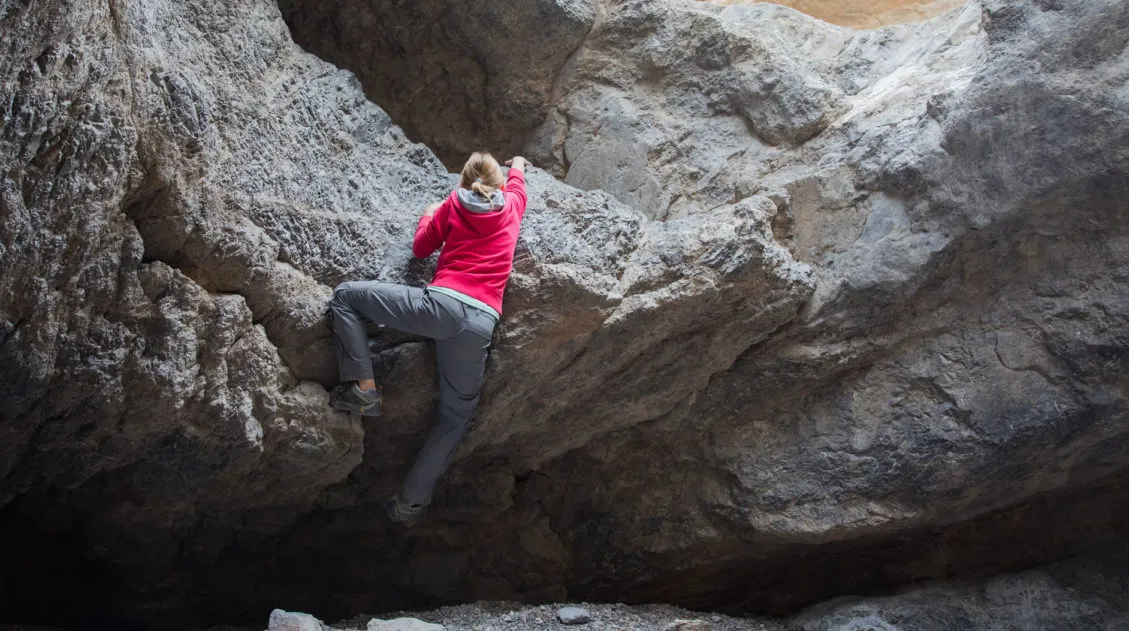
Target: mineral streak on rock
{"type": "Point", "coordinates": [848, 310]}
{"type": "Point", "coordinates": [865, 13]}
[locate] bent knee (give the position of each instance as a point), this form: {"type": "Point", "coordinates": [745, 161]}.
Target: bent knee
{"type": "Point", "coordinates": [459, 403]}
{"type": "Point", "coordinates": [339, 291]}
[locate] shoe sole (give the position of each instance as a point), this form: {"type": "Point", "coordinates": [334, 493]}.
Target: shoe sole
{"type": "Point", "coordinates": [396, 517]}
{"type": "Point", "coordinates": [373, 410]}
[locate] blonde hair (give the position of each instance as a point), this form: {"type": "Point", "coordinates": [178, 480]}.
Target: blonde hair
{"type": "Point", "coordinates": [482, 174]}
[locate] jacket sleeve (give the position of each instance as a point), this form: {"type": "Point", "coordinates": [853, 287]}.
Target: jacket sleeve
{"type": "Point", "coordinates": [515, 191]}
{"type": "Point", "coordinates": [432, 230]}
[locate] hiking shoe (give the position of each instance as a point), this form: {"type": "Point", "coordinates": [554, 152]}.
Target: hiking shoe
{"type": "Point", "coordinates": [348, 397]}
{"type": "Point", "coordinates": [402, 512]}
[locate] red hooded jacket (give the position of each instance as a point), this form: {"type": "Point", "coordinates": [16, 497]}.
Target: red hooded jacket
{"type": "Point", "coordinates": [478, 247]}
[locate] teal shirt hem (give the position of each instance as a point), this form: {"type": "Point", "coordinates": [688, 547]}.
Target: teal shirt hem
{"type": "Point", "coordinates": [466, 300]}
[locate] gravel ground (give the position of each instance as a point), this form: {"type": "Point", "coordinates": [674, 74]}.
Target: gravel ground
{"type": "Point", "coordinates": [615, 617]}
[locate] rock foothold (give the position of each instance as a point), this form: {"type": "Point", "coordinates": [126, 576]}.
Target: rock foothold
{"type": "Point", "coordinates": [574, 615]}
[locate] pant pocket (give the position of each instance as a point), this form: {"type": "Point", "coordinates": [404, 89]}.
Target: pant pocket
{"type": "Point", "coordinates": [479, 323]}
{"type": "Point", "coordinates": [447, 307]}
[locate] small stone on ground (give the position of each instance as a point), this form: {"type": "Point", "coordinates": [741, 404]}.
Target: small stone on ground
{"type": "Point", "coordinates": [574, 615]}
{"type": "Point", "coordinates": [403, 624]}
{"type": "Point", "coordinates": [292, 621]}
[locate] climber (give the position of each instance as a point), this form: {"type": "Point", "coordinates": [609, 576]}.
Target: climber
{"type": "Point", "coordinates": [477, 227]}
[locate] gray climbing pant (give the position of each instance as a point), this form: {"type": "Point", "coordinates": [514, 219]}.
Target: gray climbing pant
{"type": "Point", "coordinates": [462, 338]}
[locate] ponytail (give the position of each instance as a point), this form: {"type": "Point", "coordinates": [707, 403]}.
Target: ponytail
{"type": "Point", "coordinates": [483, 189]}
{"type": "Point", "coordinates": [482, 174]}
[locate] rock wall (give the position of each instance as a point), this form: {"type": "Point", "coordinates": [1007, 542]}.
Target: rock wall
{"type": "Point", "coordinates": [851, 312]}
{"type": "Point", "coordinates": [457, 77]}
{"type": "Point", "coordinates": [865, 13]}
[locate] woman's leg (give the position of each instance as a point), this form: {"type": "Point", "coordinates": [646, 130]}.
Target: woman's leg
{"type": "Point", "coordinates": [407, 309]}
{"type": "Point", "coordinates": [462, 361]}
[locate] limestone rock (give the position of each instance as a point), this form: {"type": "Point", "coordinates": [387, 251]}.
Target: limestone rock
{"type": "Point", "coordinates": [1041, 599]}
{"type": "Point", "coordinates": [850, 310]}
{"type": "Point", "coordinates": [456, 76]}
{"type": "Point", "coordinates": [574, 615]}
{"type": "Point", "coordinates": [402, 624]}
{"type": "Point", "coordinates": [866, 13]}
{"type": "Point", "coordinates": [292, 621]}
{"type": "Point", "coordinates": [689, 625]}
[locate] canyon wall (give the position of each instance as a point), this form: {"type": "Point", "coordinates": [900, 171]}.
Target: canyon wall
{"type": "Point", "coordinates": [797, 311]}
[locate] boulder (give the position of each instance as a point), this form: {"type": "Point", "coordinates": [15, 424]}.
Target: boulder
{"type": "Point", "coordinates": [847, 311]}
{"type": "Point", "coordinates": [456, 76]}
{"type": "Point", "coordinates": [689, 625]}
{"type": "Point", "coordinates": [292, 621]}
{"type": "Point", "coordinates": [866, 13]}
{"type": "Point", "coordinates": [1082, 593]}
{"type": "Point", "coordinates": [573, 615]}
{"type": "Point", "coordinates": [402, 624]}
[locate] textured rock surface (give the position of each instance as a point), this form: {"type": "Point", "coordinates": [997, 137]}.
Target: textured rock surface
{"type": "Point", "coordinates": [293, 621]}
{"type": "Point", "coordinates": [1087, 593]}
{"type": "Point", "coordinates": [573, 615]}
{"type": "Point", "coordinates": [402, 624]}
{"type": "Point", "coordinates": [865, 13]}
{"type": "Point", "coordinates": [456, 76]}
{"type": "Point", "coordinates": [1081, 594]}
{"type": "Point", "coordinates": [698, 106]}
{"type": "Point", "coordinates": [879, 336]}
{"type": "Point", "coordinates": [689, 625]}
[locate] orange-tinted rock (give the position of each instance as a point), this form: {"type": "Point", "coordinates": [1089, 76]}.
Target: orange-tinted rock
{"type": "Point", "coordinates": [866, 13]}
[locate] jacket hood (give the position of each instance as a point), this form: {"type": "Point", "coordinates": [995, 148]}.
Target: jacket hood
{"type": "Point", "coordinates": [476, 203]}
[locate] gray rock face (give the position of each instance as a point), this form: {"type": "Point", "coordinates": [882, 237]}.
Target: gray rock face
{"type": "Point", "coordinates": [689, 625]}
{"type": "Point", "coordinates": [402, 624]}
{"type": "Point", "coordinates": [879, 328]}
{"type": "Point", "coordinates": [292, 621]}
{"type": "Point", "coordinates": [1080, 594]}
{"type": "Point", "coordinates": [697, 106]}
{"type": "Point", "coordinates": [573, 615]}
{"type": "Point", "coordinates": [456, 76]}
{"type": "Point", "coordinates": [1065, 596]}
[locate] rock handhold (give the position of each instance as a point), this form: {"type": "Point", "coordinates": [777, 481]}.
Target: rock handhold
{"type": "Point", "coordinates": [574, 615]}
{"type": "Point", "coordinates": [403, 624]}
{"type": "Point", "coordinates": [293, 621]}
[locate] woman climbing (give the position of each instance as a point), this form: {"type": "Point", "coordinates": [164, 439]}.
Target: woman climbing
{"type": "Point", "coordinates": [477, 227]}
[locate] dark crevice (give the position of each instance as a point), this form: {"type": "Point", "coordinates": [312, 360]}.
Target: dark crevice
{"type": "Point", "coordinates": [151, 210]}
{"type": "Point", "coordinates": [342, 558]}
{"type": "Point", "coordinates": [782, 579]}
{"type": "Point", "coordinates": [457, 78]}
{"type": "Point", "coordinates": [9, 329]}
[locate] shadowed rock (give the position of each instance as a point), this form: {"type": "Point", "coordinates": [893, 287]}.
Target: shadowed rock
{"type": "Point", "coordinates": [846, 293]}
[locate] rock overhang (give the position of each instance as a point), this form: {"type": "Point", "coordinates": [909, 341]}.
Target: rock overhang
{"type": "Point", "coordinates": [857, 349]}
